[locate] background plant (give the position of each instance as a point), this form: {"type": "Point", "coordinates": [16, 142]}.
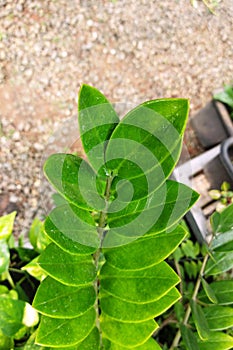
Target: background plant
{"type": "Point", "coordinates": [224, 196]}
{"type": "Point", "coordinates": [226, 97]}
{"type": "Point", "coordinates": [203, 318]}
{"type": "Point", "coordinates": [17, 288]}
{"type": "Point", "coordinates": [210, 4]}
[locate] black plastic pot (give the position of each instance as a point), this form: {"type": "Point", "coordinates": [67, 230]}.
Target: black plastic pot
{"type": "Point", "coordinates": [212, 124]}
{"type": "Point", "coordinates": [216, 165]}
{"type": "Point", "coordinates": [220, 168]}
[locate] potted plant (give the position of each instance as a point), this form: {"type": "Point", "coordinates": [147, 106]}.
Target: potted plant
{"type": "Point", "coordinates": [226, 96]}
{"type": "Point", "coordinates": [105, 279]}
{"type": "Point", "coordinates": [213, 124]}
{"type": "Point", "coordinates": [203, 318]}
{"type": "Point", "coordinates": [220, 168]}
{"type": "Point", "coordinates": [211, 169]}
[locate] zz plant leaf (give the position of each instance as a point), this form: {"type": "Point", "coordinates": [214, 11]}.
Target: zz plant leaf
{"type": "Point", "coordinates": [107, 278]}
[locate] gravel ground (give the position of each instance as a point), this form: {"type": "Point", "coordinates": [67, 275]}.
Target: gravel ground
{"type": "Point", "coordinates": [131, 50]}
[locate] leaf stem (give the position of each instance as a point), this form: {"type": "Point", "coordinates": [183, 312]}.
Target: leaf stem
{"type": "Point", "coordinates": [97, 255]}
{"type": "Point", "coordinates": [209, 6]}
{"type": "Point", "coordinates": [12, 269]}
{"type": "Point", "coordinates": [194, 296]}
{"type": "Point", "coordinates": [10, 280]}
{"type": "Point", "coordinates": [167, 321]}
{"type": "Point", "coordinates": [102, 218]}
{"type": "Point", "coordinates": [177, 265]}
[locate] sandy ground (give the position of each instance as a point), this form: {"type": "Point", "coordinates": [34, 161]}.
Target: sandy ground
{"type": "Point", "coordinates": [130, 50]}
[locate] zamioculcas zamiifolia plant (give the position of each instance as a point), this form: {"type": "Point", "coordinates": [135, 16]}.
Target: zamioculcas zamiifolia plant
{"type": "Point", "coordinates": [106, 276]}
{"type": "Point", "coordinates": [205, 313]}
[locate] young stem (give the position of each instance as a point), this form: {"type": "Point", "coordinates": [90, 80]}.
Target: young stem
{"type": "Point", "coordinates": [179, 274]}
{"type": "Point", "coordinates": [209, 6]}
{"type": "Point", "coordinates": [10, 280]}
{"type": "Point", "coordinates": [102, 219]}
{"type": "Point", "coordinates": [100, 230]}
{"type": "Point", "coordinates": [194, 296]}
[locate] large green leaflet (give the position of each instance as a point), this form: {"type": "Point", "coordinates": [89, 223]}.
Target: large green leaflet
{"type": "Point", "coordinates": [107, 278]}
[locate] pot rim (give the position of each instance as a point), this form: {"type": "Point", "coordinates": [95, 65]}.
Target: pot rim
{"type": "Point", "coordinates": [224, 155]}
